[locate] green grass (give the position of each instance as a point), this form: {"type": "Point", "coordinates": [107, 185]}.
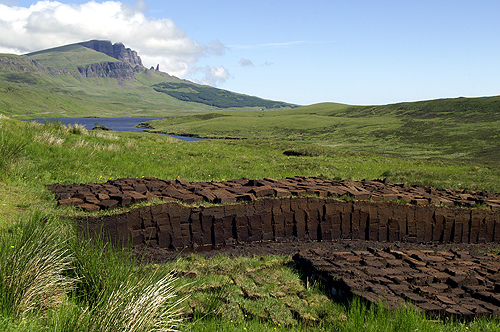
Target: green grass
{"type": "Point", "coordinates": [69, 57]}
{"type": "Point", "coordinates": [455, 129]}
{"type": "Point", "coordinates": [264, 293]}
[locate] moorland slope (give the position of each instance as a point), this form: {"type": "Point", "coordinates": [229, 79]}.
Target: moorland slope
{"type": "Point", "coordinates": [99, 79]}
{"type": "Point", "coordinates": [460, 129]}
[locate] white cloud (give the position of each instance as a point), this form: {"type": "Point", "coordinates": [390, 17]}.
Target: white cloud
{"type": "Point", "coordinates": [216, 47]}
{"type": "Point", "coordinates": [47, 24]}
{"type": "Point", "coordinates": [214, 75]}
{"type": "Point", "coordinates": [245, 63]}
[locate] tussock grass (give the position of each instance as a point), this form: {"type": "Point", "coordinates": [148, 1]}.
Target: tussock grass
{"type": "Point", "coordinates": [11, 147]}
{"type": "Point", "coordinates": [77, 129]}
{"type": "Point", "coordinates": [52, 278]}
{"type": "Point", "coordinates": [33, 260]}
{"type": "Point", "coordinates": [130, 145]}
{"type": "Point", "coordinates": [147, 305]}
{"type": "Point", "coordinates": [105, 135]}
{"type": "Point", "coordinates": [118, 295]}
{"type": "Point", "coordinates": [82, 143]}
{"type": "Point", "coordinates": [49, 139]}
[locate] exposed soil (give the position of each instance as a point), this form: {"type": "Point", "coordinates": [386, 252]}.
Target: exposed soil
{"type": "Point", "coordinates": [291, 248]}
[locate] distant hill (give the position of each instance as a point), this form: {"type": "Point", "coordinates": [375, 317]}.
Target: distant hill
{"type": "Point", "coordinates": [466, 129]}
{"type": "Point", "coordinates": [98, 78]}
{"type": "Point", "coordinates": [215, 97]}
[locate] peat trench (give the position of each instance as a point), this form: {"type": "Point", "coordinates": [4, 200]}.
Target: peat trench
{"type": "Point", "coordinates": [389, 243]}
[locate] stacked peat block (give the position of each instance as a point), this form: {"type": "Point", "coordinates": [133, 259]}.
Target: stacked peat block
{"type": "Point", "coordinates": [175, 225]}
{"type": "Point", "coordinates": [109, 195]}
{"type": "Point", "coordinates": [279, 210]}
{"type": "Point", "coordinates": [304, 208]}
{"type": "Point", "coordinates": [445, 284]}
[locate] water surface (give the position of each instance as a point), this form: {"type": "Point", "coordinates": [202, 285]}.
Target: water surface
{"type": "Point", "coordinates": [117, 124]}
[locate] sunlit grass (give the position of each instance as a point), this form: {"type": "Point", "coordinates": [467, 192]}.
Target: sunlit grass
{"type": "Point", "coordinates": [51, 278]}
{"type": "Point", "coordinates": [256, 294]}
{"type": "Point", "coordinates": [32, 266]}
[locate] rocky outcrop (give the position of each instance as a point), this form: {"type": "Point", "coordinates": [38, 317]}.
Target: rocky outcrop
{"type": "Point", "coordinates": [22, 64]}
{"type": "Point", "coordinates": [117, 51]}
{"type": "Point", "coordinates": [130, 61]}
{"type": "Point", "coordinates": [118, 70]}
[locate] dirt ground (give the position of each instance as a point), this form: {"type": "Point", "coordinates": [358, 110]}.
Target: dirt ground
{"type": "Point", "coordinates": [159, 255]}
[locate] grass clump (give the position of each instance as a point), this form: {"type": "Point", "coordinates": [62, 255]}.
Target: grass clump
{"type": "Point", "coordinates": [126, 297]}
{"type": "Point", "coordinates": [33, 260]}
{"type": "Point", "coordinates": [11, 146]}
{"type": "Point", "coordinates": [50, 278]}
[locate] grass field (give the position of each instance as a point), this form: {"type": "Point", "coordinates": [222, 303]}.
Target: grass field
{"type": "Point", "coordinates": [450, 129]}
{"type": "Point", "coordinates": [94, 284]}
{"type": "Point", "coordinates": [52, 279]}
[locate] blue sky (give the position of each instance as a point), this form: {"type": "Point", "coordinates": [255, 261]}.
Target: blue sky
{"type": "Point", "coordinates": [304, 52]}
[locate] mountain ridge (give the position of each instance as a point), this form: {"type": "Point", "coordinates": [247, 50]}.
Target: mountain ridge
{"type": "Point", "coordinates": [119, 62]}
{"type": "Point", "coordinates": [117, 51]}
{"type": "Point", "coordinates": [109, 78]}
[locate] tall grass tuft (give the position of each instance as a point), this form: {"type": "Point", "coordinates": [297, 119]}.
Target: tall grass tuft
{"type": "Point", "coordinates": [49, 138]}
{"type": "Point", "coordinates": [138, 305]}
{"type": "Point", "coordinates": [104, 135]}
{"type": "Point", "coordinates": [118, 294]}
{"type": "Point", "coordinates": [33, 260]}
{"type": "Point", "coordinates": [11, 148]}
{"type": "Point", "coordinates": [78, 129]}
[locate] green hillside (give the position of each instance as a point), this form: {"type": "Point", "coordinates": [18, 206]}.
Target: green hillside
{"type": "Point", "coordinates": [473, 109]}
{"type": "Point", "coordinates": [69, 57]}
{"type": "Point", "coordinates": [49, 83]}
{"type": "Point", "coordinates": [208, 95]}
{"type": "Point", "coordinates": [462, 128]}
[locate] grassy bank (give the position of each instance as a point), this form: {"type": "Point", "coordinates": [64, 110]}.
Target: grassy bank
{"type": "Point", "coordinates": [448, 129]}
{"type": "Point", "coordinates": [93, 285]}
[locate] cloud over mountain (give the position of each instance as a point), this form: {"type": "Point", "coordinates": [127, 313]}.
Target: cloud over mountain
{"type": "Point", "coordinates": [47, 24]}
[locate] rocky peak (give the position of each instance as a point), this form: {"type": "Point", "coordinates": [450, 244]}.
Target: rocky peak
{"type": "Point", "coordinates": [117, 51]}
